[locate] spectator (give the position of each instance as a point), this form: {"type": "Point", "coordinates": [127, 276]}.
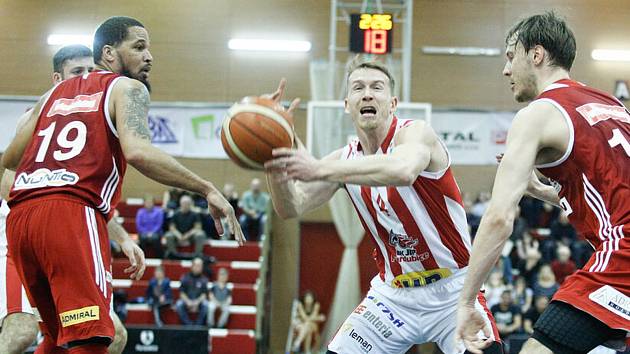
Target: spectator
{"type": "Point", "coordinates": [192, 294]}
{"type": "Point", "coordinates": [307, 323]}
{"type": "Point", "coordinates": [545, 284]}
{"type": "Point", "coordinates": [528, 257]}
{"type": "Point", "coordinates": [184, 226]}
{"type": "Point", "coordinates": [149, 220]}
{"type": "Point", "coordinates": [159, 294]}
{"type": "Point", "coordinates": [563, 266]}
{"type": "Point", "coordinates": [547, 215]}
{"type": "Point", "coordinates": [495, 287]}
{"type": "Point", "coordinates": [232, 196]}
{"type": "Point", "coordinates": [522, 294]}
{"type": "Point", "coordinates": [531, 316]}
{"type": "Point", "coordinates": [220, 297]}
{"type": "Point", "coordinates": [254, 205]}
{"type": "Point", "coordinates": [562, 231]}
{"type": "Point", "coordinates": [170, 200]}
{"type": "Point", "coordinates": [507, 315]}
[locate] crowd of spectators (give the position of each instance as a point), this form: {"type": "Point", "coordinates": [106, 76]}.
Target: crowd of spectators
{"type": "Point", "coordinates": [542, 251]}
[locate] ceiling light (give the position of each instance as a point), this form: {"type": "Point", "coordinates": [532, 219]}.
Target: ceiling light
{"type": "Point", "coordinates": [611, 55]}
{"type": "Point", "coordinates": [67, 39]}
{"type": "Point", "coordinates": [271, 45]}
{"type": "Point", "coordinates": [468, 51]}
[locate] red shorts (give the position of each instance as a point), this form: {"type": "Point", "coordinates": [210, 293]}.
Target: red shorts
{"type": "Point", "coordinates": [61, 252]}
{"type": "Point", "coordinates": [604, 294]}
{"type": "Point", "coordinates": [12, 295]}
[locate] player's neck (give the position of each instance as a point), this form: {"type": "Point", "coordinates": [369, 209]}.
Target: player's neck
{"type": "Point", "coordinates": [105, 67]}
{"type": "Point", "coordinates": [550, 78]}
{"type": "Point", "coordinates": [372, 139]}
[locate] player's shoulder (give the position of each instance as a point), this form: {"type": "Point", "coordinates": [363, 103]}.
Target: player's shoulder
{"type": "Point", "coordinates": [415, 131]}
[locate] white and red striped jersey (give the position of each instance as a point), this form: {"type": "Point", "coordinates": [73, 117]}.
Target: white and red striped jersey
{"type": "Point", "coordinates": [75, 148]}
{"type": "Point", "coordinates": [418, 229]}
{"type": "Point", "coordinates": [593, 176]}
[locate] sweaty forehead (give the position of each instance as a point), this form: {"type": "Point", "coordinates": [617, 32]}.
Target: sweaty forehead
{"type": "Point", "coordinates": [368, 75]}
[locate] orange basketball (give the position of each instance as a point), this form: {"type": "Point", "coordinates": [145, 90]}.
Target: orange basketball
{"type": "Point", "coordinates": [254, 127]}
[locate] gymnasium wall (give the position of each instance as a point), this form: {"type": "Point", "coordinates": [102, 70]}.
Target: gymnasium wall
{"type": "Point", "coordinates": [192, 62]}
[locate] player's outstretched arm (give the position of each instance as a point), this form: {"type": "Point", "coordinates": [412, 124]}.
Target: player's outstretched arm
{"type": "Point", "coordinates": [133, 252]}
{"type": "Point", "coordinates": [525, 138]}
{"type": "Point", "coordinates": [411, 155]}
{"type": "Point", "coordinates": [292, 198]}
{"type": "Point", "coordinates": [129, 103]}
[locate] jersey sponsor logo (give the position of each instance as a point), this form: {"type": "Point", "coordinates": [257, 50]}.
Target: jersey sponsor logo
{"type": "Point", "coordinates": [612, 300]}
{"type": "Point", "coordinates": [365, 345]}
{"type": "Point", "coordinates": [390, 315]}
{"type": "Point", "coordinates": [381, 327]}
{"type": "Point", "coordinates": [422, 278]}
{"type": "Point", "coordinates": [84, 314]}
{"type": "Point", "coordinates": [405, 248]}
{"type": "Point", "coordinates": [81, 103]}
{"type": "Point", "coordinates": [597, 112]}
{"type": "Point", "coordinates": [44, 177]}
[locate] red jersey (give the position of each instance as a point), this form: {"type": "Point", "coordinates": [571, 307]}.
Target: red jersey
{"type": "Point", "coordinates": [74, 149]}
{"type": "Point", "coordinates": [420, 230]}
{"type": "Point", "coordinates": [593, 175]}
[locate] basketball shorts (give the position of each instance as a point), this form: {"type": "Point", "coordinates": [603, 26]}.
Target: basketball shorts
{"type": "Point", "coordinates": [61, 252]}
{"type": "Point", "coordinates": [12, 294]}
{"type": "Point", "coordinates": [602, 287]}
{"type": "Point", "coordinates": [391, 320]}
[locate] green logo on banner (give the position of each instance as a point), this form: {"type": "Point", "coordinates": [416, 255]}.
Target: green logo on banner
{"type": "Point", "coordinates": [197, 123]}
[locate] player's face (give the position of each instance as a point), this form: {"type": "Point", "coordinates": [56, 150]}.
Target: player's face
{"type": "Point", "coordinates": [134, 55]}
{"type": "Point", "coordinates": [519, 68]}
{"type": "Point", "coordinates": [369, 100]}
{"type": "Point", "coordinates": [73, 68]}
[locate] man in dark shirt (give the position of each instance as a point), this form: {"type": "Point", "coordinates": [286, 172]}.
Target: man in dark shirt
{"type": "Point", "coordinates": [184, 227]}
{"type": "Point", "coordinates": [507, 315]}
{"type": "Point", "coordinates": [192, 294]}
{"type": "Point", "coordinates": [220, 296]}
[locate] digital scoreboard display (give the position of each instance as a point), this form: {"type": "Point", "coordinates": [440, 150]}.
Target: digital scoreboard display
{"type": "Point", "coordinates": [371, 33]}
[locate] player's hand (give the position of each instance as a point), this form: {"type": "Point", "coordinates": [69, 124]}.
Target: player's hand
{"type": "Point", "coordinates": [469, 324]}
{"type": "Point", "coordinates": [277, 96]}
{"type": "Point", "coordinates": [294, 164]}
{"type": "Point", "coordinates": [219, 208]}
{"type": "Point", "coordinates": [136, 258]}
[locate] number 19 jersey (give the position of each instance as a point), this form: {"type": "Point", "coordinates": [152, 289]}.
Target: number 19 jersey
{"type": "Point", "coordinates": [74, 149]}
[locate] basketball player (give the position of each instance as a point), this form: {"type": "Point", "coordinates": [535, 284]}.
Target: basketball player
{"type": "Point", "coordinates": [398, 176]}
{"type": "Point", "coordinates": [71, 155]}
{"type": "Point", "coordinates": [579, 137]}
{"type": "Point", "coordinates": [19, 328]}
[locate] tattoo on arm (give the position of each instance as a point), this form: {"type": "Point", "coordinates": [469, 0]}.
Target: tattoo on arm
{"type": "Point", "coordinates": [137, 111]}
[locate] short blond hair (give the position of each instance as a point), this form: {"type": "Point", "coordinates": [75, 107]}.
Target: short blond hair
{"type": "Point", "coordinates": [360, 62]}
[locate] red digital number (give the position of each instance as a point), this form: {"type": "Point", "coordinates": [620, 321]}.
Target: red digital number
{"type": "Point", "coordinates": [375, 41]}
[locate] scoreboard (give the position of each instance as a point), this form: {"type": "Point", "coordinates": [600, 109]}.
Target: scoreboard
{"type": "Point", "coordinates": [371, 33]}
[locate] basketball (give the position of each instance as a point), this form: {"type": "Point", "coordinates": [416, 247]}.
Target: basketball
{"type": "Point", "coordinates": [253, 128]}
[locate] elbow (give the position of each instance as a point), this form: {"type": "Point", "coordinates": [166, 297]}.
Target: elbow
{"type": "Point", "coordinates": [501, 223]}
{"type": "Point", "coordinates": [135, 158]}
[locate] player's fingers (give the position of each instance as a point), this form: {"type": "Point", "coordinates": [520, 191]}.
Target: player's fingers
{"type": "Point", "coordinates": [142, 264]}
{"type": "Point", "coordinates": [472, 347]}
{"type": "Point", "coordinates": [276, 96]}
{"type": "Point", "coordinates": [217, 225]}
{"type": "Point", "coordinates": [279, 152]}
{"type": "Point", "coordinates": [487, 331]}
{"type": "Point", "coordinates": [294, 104]}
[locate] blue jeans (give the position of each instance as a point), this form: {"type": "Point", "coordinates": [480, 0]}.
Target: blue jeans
{"type": "Point", "coordinates": [182, 311]}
